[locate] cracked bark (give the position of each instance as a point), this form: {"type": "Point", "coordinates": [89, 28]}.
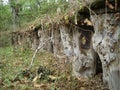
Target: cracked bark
{"type": "Point", "coordinates": [83, 58]}
{"type": "Point", "coordinates": [105, 43]}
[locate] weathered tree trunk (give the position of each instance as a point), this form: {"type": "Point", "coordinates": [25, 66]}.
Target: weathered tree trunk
{"type": "Point", "coordinates": [106, 44]}
{"type": "Point", "coordinates": [66, 41]}
{"type": "Point", "coordinates": [56, 41]}
{"type": "Point", "coordinates": [83, 63]}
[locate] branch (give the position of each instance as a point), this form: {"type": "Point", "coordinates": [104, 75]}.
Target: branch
{"type": "Point", "coordinates": [27, 70]}
{"type": "Point", "coordinates": [39, 47]}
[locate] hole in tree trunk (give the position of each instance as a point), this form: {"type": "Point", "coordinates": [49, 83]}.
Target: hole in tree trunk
{"type": "Point", "coordinates": [98, 64]}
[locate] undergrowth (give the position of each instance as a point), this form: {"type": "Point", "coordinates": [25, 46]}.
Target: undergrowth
{"type": "Point", "coordinates": [47, 73]}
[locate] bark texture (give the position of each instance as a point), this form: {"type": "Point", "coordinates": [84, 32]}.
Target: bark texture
{"type": "Point", "coordinates": [84, 62]}
{"type": "Point", "coordinates": [83, 55]}
{"type": "Point", "coordinates": [66, 40]}
{"type": "Point", "coordinates": [106, 44]}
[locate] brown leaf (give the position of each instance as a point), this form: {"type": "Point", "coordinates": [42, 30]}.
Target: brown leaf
{"type": "Point", "coordinates": [82, 88]}
{"type": "Point", "coordinates": [109, 5]}
{"type": "Point", "coordinates": [39, 85]}
{"type": "Point", "coordinates": [52, 77]}
{"type": "Point", "coordinates": [88, 22]}
{"type": "Point", "coordinates": [83, 40]}
{"type": "Point", "coordinates": [35, 79]}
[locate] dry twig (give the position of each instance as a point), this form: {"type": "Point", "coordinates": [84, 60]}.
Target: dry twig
{"type": "Point", "coordinates": [41, 45]}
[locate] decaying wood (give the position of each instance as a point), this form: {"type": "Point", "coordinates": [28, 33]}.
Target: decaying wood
{"type": "Point", "coordinates": [82, 54]}
{"type": "Point", "coordinates": [106, 44]}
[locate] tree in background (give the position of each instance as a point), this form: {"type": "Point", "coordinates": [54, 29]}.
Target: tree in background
{"type": "Point", "coordinates": [16, 14]}
{"type": "Point", "coordinates": [15, 8]}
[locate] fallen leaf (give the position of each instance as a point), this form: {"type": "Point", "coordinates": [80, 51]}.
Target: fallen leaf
{"type": "Point", "coordinates": [35, 79]}
{"type": "Point", "coordinates": [83, 40]}
{"type": "Point", "coordinates": [88, 22]}
{"type": "Point", "coordinates": [39, 85]}
{"type": "Point", "coordinates": [109, 5]}
{"type": "Point", "coordinates": [82, 88]}
{"type": "Point", "coordinates": [52, 77]}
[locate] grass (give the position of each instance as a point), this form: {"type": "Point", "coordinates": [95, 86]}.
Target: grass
{"type": "Point", "coordinates": [14, 60]}
{"type": "Point", "coordinates": [11, 62]}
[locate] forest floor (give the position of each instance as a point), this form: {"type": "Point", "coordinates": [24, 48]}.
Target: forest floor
{"type": "Point", "coordinates": [47, 73]}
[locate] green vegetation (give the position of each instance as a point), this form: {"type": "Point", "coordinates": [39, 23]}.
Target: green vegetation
{"type": "Point", "coordinates": [48, 72]}
{"type": "Point", "coordinates": [17, 14]}
{"type": "Point", "coordinates": [13, 61]}
{"type": "Point", "coordinates": [56, 73]}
